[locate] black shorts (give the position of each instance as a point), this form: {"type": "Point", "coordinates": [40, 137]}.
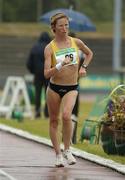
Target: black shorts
{"type": "Point", "coordinates": [62, 90]}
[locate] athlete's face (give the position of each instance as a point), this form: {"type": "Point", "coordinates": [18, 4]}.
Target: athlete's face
{"type": "Point", "coordinates": [62, 25]}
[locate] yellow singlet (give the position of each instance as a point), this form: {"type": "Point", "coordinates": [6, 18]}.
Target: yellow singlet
{"type": "Point", "coordinates": [60, 54]}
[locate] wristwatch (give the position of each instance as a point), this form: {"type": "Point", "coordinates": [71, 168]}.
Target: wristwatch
{"type": "Point", "coordinates": [84, 66]}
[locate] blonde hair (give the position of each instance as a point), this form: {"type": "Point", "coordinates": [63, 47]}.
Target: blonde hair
{"type": "Point", "coordinates": [54, 19]}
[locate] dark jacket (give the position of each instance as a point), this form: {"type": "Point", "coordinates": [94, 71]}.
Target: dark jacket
{"type": "Point", "coordinates": [35, 62]}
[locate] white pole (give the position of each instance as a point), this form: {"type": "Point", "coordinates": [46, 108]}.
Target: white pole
{"type": "Point", "coordinates": [1, 10]}
{"type": "Point", "coordinates": [117, 35]}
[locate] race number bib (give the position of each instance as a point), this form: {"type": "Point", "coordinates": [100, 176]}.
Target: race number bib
{"type": "Point", "coordinates": [68, 52]}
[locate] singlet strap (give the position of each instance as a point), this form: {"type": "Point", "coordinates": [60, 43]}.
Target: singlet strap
{"type": "Point", "coordinates": [54, 46]}
{"type": "Point", "coordinates": [74, 43]}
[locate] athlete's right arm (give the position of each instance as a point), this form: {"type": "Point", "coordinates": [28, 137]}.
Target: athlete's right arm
{"type": "Point", "coordinates": [48, 70]}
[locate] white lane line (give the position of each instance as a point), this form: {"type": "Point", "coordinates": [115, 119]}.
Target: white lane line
{"type": "Point", "coordinates": [6, 175]}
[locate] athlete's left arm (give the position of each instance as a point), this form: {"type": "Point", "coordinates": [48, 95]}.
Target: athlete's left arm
{"type": "Point", "coordinates": [86, 50]}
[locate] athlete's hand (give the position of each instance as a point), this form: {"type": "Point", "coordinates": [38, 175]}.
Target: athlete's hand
{"type": "Point", "coordinates": [66, 61]}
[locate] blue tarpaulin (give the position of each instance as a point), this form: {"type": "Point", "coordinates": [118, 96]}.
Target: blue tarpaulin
{"type": "Point", "coordinates": [77, 21]}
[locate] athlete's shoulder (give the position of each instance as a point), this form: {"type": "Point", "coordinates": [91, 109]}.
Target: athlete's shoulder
{"type": "Point", "coordinates": [79, 42]}
{"type": "Point", "coordinates": [48, 48]}
{"type": "Point", "coordinates": [52, 42]}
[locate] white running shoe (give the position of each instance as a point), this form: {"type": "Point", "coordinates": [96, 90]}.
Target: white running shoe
{"type": "Point", "coordinates": [69, 157]}
{"type": "Point", "coordinates": [59, 160]}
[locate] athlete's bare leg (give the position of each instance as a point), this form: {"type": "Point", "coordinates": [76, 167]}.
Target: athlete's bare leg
{"type": "Point", "coordinates": [53, 101]}
{"type": "Point", "coordinates": [68, 104]}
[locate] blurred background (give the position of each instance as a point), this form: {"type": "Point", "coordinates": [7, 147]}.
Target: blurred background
{"type": "Point", "coordinates": [20, 27]}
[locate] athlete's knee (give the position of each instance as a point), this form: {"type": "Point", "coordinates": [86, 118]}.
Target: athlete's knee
{"type": "Point", "coordinates": [66, 116]}
{"type": "Point", "coordinates": [54, 122]}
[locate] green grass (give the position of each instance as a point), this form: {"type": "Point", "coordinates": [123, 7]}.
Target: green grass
{"type": "Point", "coordinates": [40, 127]}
